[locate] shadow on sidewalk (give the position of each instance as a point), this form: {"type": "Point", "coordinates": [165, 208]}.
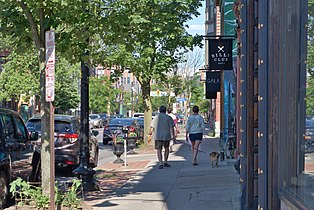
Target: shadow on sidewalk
{"type": "Point", "coordinates": [182, 186]}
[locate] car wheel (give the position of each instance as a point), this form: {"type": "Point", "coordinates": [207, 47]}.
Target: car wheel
{"type": "Point", "coordinates": [4, 189]}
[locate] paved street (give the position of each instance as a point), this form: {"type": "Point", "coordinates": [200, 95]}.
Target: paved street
{"type": "Point", "coordinates": [105, 151]}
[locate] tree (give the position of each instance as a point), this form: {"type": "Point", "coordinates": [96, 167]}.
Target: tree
{"type": "Point", "coordinates": [66, 86]}
{"type": "Point", "coordinates": [191, 62]}
{"type": "Point", "coordinates": [101, 92]}
{"type": "Point", "coordinates": [310, 96]}
{"type": "Point", "coordinates": [310, 63]}
{"type": "Point", "coordinates": [19, 76]}
{"type": "Point", "coordinates": [26, 23]}
{"type": "Point", "coordinates": [150, 35]}
{"type": "Point", "coordinates": [171, 82]}
{"type": "Point", "coordinates": [188, 67]}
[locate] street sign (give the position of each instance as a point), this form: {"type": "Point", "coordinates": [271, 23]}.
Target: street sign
{"type": "Point", "coordinates": [160, 93]}
{"type": "Point", "coordinates": [50, 65]}
{"type": "Point", "coordinates": [181, 99]}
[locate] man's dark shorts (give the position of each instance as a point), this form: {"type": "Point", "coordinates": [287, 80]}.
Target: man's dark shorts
{"type": "Point", "coordinates": [159, 144]}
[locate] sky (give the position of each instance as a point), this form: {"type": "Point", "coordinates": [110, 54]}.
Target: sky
{"type": "Point", "coordinates": [197, 25]}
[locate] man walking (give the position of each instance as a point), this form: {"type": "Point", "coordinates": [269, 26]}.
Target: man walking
{"type": "Point", "coordinates": [163, 128]}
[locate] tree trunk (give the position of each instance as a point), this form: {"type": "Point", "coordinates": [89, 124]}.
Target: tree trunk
{"type": "Point", "coordinates": [145, 86]}
{"type": "Point", "coordinates": [45, 128]}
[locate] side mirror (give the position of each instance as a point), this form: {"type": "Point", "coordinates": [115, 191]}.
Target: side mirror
{"type": "Point", "coordinates": [33, 136]}
{"type": "Point", "coordinates": [95, 132]}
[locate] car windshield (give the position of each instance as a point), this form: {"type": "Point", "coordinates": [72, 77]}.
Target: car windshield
{"type": "Point", "coordinates": [93, 117]}
{"type": "Point", "coordinates": [103, 115]}
{"type": "Point", "coordinates": [60, 127]}
{"type": "Point", "coordinates": [34, 125]}
{"type": "Point", "coordinates": [123, 122]}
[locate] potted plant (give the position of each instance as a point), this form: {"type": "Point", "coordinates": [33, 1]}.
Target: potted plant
{"type": "Point", "coordinates": [132, 138]}
{"type": "Point", "coordinates": [118, 149]}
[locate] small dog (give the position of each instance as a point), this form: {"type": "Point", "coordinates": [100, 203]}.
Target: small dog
{"type": "Point", "coordinates": [214, 157]}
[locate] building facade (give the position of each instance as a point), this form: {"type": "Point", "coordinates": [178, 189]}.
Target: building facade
{"type": "Point", "coordinates": [276, 168]}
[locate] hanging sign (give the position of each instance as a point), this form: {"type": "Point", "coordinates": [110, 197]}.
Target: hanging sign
{"type": "Point", "coordinates": [212, 84]}
{"type": "Point", "coordinates": [220, 54]}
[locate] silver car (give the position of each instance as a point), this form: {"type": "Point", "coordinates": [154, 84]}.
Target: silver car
{"type": "Point", "coordinates": [96, 120]}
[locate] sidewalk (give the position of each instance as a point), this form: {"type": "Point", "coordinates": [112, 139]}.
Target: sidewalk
{"type": "Point", "coordinates": [180, 187]}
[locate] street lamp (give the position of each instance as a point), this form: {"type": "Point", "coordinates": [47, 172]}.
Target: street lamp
{"type": "Point", "coordinates": [84, 170]}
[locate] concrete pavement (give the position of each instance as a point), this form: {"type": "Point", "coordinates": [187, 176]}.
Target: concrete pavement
{"type": "Point", "coordinates": [180, 187]}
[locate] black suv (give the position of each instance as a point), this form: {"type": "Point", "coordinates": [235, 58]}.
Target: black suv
{"type": "Point", "coordinates": [13, 137]}
{"type": "Point", "coordinates": [66, 140]}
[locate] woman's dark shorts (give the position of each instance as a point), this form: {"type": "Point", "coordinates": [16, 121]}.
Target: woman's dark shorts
{"type": "Point", "coordinates": [196, 136]}
{"type": "Point", "coordinates": [159, 144]}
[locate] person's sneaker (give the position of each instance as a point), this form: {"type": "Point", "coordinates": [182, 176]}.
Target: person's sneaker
{"type": "Point", "coordinates": [167, 165]}
{"type": "Point", "coordinates": [161, 167]}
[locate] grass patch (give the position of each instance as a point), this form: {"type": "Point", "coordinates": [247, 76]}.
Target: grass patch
{"type": "Point", "coordinates": [106, 176]}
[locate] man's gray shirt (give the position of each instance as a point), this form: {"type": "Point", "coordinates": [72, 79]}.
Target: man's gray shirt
{"type": "Point", "coordinates": [162, 125]}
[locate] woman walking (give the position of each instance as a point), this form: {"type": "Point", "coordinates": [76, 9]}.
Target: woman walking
{"type": "Point", "coordinates": [194, 131]}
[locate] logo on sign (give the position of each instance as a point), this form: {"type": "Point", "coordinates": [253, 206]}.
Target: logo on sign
{"type": "Point", "coordinates": [220, 54]}
{"type": "Point", "coordinates": [212, 84]}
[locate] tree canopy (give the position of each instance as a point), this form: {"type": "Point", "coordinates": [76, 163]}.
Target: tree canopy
{"type": "Point", "coordinates": [101, 92]}
{"type": "Point", "coordinates": [20, 76]}
{"type": "Point", "coordinates": [151, 36]}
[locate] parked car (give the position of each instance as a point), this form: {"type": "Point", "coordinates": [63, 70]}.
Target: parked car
{"type": "Point", "coordinates": [117, 124]}
{"type": "Point", "coordinates": [13, 135]}
{"type": "Point", "coordinates": [309, 135]}
{"type": "Point", "coordinates": [66, 140]}
{"type": "Point", "coordinates": [141, 123]}
{"type": "Point", "coordinates": [96, 120]}
{"type": "Point", "coordinates": [104, 118]}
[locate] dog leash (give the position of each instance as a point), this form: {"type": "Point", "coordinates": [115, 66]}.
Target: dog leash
{"type": "Point", "coordinates": [195, 148]}
{"type": "Point", "coordinates": [215, 148]}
